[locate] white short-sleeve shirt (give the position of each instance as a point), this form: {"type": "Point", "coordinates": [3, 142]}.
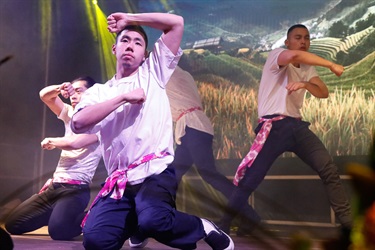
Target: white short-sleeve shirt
{"type": "Point", "coordinates": [133, 131]}
{"type": "Point", "coordinates": [78, 164]}
{"type": "Point", "coordinates": [183, 95]}
{"type": "Point", "coordinates": [273, 97]}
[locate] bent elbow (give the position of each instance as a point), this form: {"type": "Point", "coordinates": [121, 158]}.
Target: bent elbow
{"type": "Point", "coordinates": [42, 95]}
{"type": "Point", "coordinates": [181, 21]}
{"type": "Point", "coordinates": [76, 126]}
{"type": "Point", "coordinates": [323, 95]}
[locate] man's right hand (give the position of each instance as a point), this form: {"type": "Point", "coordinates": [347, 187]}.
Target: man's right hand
{"type": "Point", "coordinates": [66, 89]}
{"type": "Point", "coordinates": [117, 21]}
{"type": "Point", "coordinates": [136, 96]}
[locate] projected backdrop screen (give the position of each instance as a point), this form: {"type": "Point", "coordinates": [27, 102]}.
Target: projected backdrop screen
{"type": "Point", "coordinates": [225, 43]}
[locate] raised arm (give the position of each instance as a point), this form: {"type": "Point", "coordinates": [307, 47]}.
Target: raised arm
{"type": "Point", "coordinates": [69, 142]}
{"type": "Point", "coordinates": [172, 25]}
{"type": "Point", "coordinates": [50, 96]}
{"type": "Point", "coordinates": [298, 56]}
{"type": "Point", "coordinates": [89, 116]}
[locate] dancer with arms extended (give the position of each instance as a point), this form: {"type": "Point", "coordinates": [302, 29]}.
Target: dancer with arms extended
{"type": "Point", "coordinates": [287, 75]}
{"type": "Point", "coordinates": [132, 113]}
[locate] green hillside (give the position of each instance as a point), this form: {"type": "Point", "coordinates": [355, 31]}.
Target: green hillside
{"type": "Point", "coordinates": [329, 47]}
{"type": "Point", "coordinates": [361, 75]}
{"type": "Point", "coordinates": [228, 86]}
{"type": "Point", "coordinates": [243, 71]}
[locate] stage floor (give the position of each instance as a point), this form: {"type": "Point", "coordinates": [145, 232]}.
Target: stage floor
{"type": "Point", "coordinates": [39, 240]}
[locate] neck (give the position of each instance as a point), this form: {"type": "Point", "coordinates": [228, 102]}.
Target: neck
{"type": "Point", "coordinates": [125, 72]}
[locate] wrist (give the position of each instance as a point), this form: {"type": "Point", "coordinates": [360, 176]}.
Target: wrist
{"type": "Point", "coordinates": [331, 66]}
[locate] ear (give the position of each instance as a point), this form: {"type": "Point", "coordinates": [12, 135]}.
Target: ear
{"type": "Point", "coordinates": [114, 49]}
{"type": "Point", "coordinates": [286, 42]}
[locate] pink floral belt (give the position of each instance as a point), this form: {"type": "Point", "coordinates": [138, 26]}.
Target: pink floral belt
{"type": "Point", "coordinates": [256, 147]}
{"type": "Point", "coordinates": [118, 179]}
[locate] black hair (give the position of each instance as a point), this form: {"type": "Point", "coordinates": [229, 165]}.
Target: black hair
{"type": "Point", "coordinates": [295, 27]}
{"type": "Point", "coordinates": [89, 81]}
{"type": "Point", "coordinates": [136, 28]}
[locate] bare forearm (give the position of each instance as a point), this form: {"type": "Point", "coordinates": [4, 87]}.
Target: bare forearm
{"type": "Point", "coordinates": [69, 142]}
{"type": "Point", "coordinates": [57, 142]}
{"type": "Point", "coordinates": [50, 96]}
{"type": "Point", "coordinates": [89, 116]}
{"type": "Point", "coordinates": [297, 56]}
{"type": "Point", "coordinates": [319, 91]}
{"type": "Point", "coordinates": [49, 92]}
{"type": "Point", "coordinates": [311, 59]}
{"type": "Point", "coordinates": [171, 25]}
{"type": "Point", "coordinates": [160, 21]}
{"type": "Point", "coordinates": [315, 86]}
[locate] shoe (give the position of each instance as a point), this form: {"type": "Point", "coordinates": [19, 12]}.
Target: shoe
{"type": "Point", "coordinates": [215, 237]}
{"type": "Point", "coordinates": [134, 242]}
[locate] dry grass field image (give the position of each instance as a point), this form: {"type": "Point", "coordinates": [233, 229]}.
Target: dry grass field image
{"type": "Point", "coordinates": [345, 121]}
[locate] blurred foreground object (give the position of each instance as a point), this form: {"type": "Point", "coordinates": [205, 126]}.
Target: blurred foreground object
{"type": "Point", "coordinates": [363, 181]}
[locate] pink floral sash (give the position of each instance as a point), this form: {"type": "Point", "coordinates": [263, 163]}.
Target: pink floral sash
{"type": "Point", "coordinates": [118, 179]}
{"type": "Point", "coordinates": [184, 112]}
{"type": "Point", "coordinates": [256, 147]}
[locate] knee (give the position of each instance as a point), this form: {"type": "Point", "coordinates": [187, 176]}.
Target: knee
{"type": "Point", "coordinates": [63, 234]}
{"type": "Point", "coordinates": [13, 229]}
{"type": "Point", "coordinates": [103, 239]}
{"type": "Point", "coordinates": [92, 241]}
{"type": "Point", "coordinates": [96, 241]}
{"type": "Point", "coordinates": [329, 173]}
{"type": "Point", "coordinates": [153, 220]}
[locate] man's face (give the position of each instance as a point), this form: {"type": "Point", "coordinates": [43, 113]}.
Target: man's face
{"type": "Point", "coordinates": [79, 88]}
{"type": "Point", "coordinates": [298, 39]}
{"type": "Point", "coordinates": [130, 49]}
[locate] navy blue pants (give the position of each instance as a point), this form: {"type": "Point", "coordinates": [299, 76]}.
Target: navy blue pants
{"type": "Point", "coordinates": [148, 207]}
{"type": "Point", "coordinates": [61, 206]}
{"type": "Point", "coordinates": [293, 135]}
{"type": "Point", "coordinates": [196, 148]}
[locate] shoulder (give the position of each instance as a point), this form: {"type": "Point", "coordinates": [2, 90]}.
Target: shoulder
{"type": "Point", "coordinates": [272, 58]}
{"type": "Point", "coordinates": [66, 113]}
{"type": "Point", "coordinates": [276, 52]}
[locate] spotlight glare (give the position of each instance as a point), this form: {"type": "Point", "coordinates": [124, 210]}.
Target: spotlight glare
{"type": "Point", "coordinates": [95, 2]}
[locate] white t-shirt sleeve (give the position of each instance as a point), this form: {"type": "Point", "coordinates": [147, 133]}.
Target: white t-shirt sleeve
{"type": "Point", "coordinates": [163, 62]}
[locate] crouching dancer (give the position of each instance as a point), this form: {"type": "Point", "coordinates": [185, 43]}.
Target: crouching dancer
{"type": "Point", "coordinates": [132, 115]}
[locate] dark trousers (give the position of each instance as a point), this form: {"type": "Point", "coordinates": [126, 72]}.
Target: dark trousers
{"type": "Point", "coordinates": [148, 208]}
{"type": "Point", "coordinates": [293, 135]}
{"type": "Point", "coordinates": [196, 148]}
{"type": "Point", "coordinates": [61, 207]}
